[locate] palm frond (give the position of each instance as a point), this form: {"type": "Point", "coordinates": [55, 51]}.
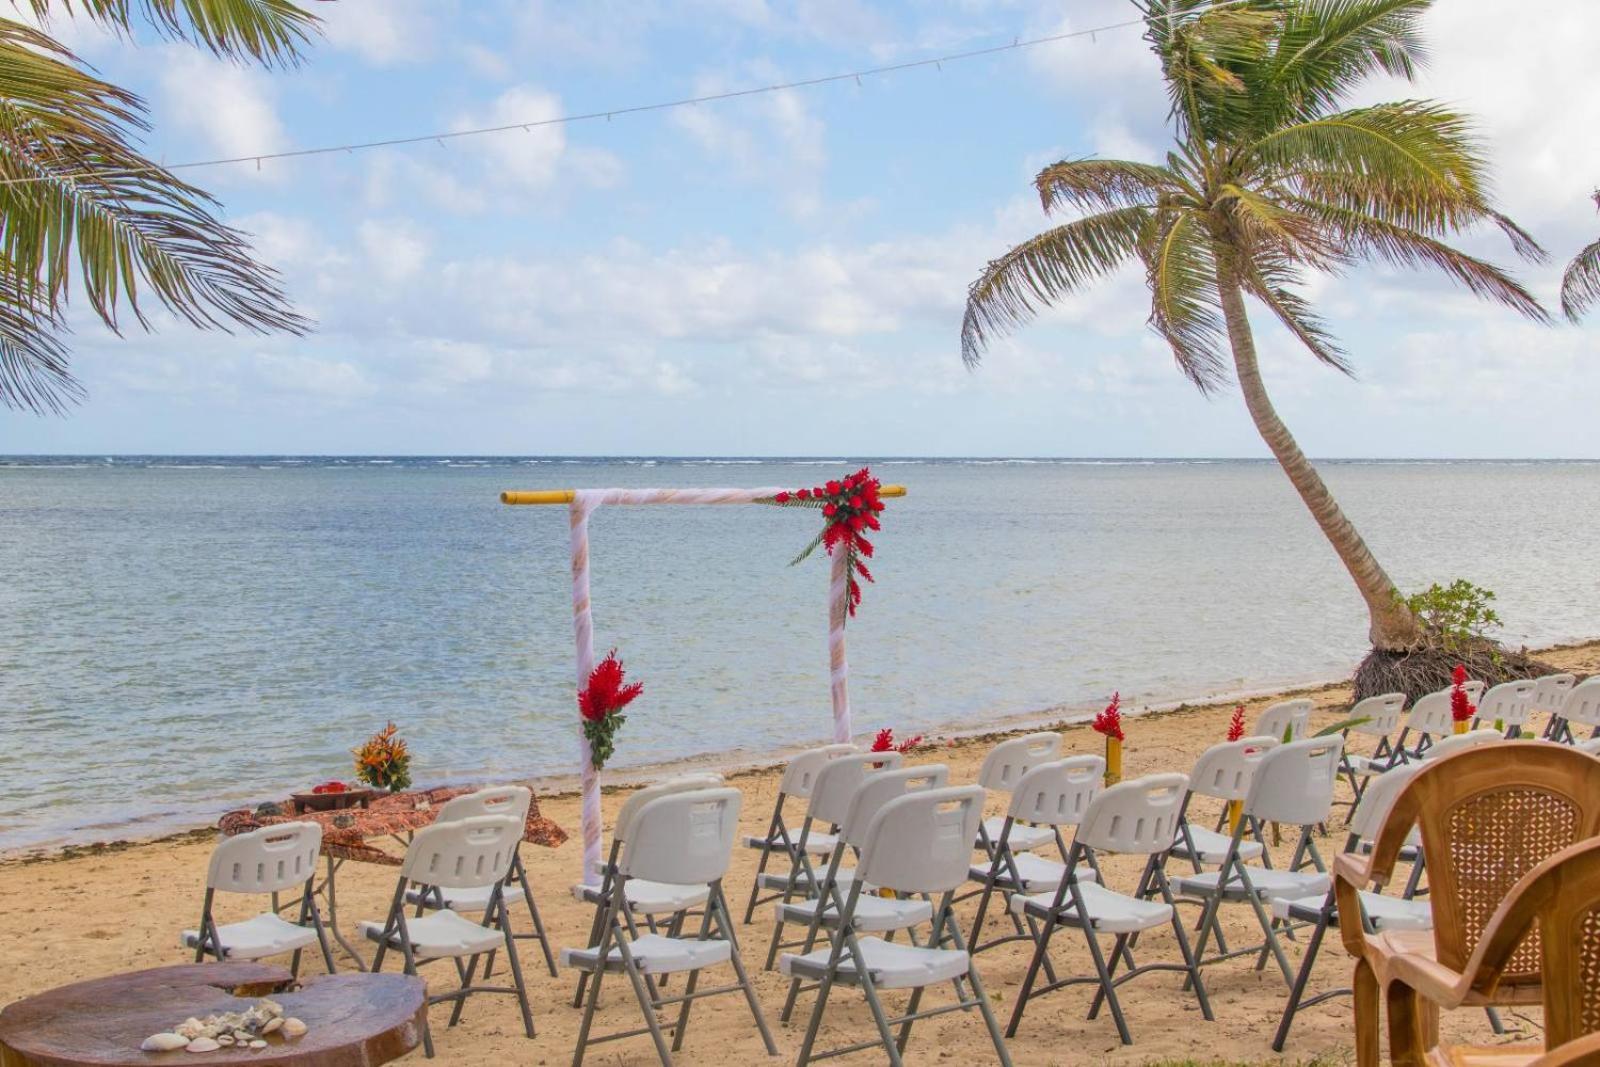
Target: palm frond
{"type": "Point", "coordinates": [1325, 48]}
{"type": "Point", "coordinates": [1043, 269]}
{"type": "Point", "coordinates": [1270, 281]}
{"type": "Point", "coordinates": [34, 363]}
{"type": "Point", "coordinates": [1182, 274]}
{"type": "Point", "coordinates": [1580, 283]}
{"type": "Point", "coordinates": [1104, 184]}
{"type": "Point", "coordinates": [270, 32]}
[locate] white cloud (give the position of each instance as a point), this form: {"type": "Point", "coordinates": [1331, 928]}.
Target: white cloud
{"type": "Point", "coordinates": [395, 249]}
{"type": "Point", "coordinates": [229, 107]}
{"type": "Point", "coordinates": [381, 32]}
{"type": "Point", "coordinates": [531, 160]}
{"type": "Point", "coordinates": [774, 140]}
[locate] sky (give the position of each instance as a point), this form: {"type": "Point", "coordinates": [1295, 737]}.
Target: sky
{"type": "Point", "coordinates": [785, 274]}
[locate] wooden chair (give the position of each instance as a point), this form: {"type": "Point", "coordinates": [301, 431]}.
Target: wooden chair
{"type": "Point", "coordinates": [1487, 816]}
{"type": "Point", "coordinates": [1555, 910]}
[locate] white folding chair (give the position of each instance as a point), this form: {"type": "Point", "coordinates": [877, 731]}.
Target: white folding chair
{"type": "Point", "coordinates": [874, 914]}
{"type": "Point", "coordinates": [1003, 767]}
{"type": "Point", "coordinates": [1048, 797]}
{"type": "Point", "coordinates": [1138, 817]}
{"type": "Point", "coordinates": [1291, 716]}
{"type": "Point", "coordinates": [454, 856]}
{"type": "Point", "coordinates": [1292, 785]}
{"type": "Point", "coordinates": [1591, 746]}
{"type": "Point", "coordinates": [682, 838]}
{"type": "Point", "coordinates": [1582, 707]}
{"type": "Point", "coordinates": [1222, 772]}
{"type": "Point", "coordinates": [1549, 697]}
{"type": "Point", "coordinates": [512, 801]}
{"type": "Point", "coordinates": [271, 860]}
{"type": "Point", "coordinates": [831, 793]}
{"type": "Point", "coordinates": [1508, 704]}
{"type": "Point", "coordinates": [799, 777]}
{"type": "Point", "coordinates": [1382, 715]}
{"type": "Point", "coordinates": [1428, 719]}
{"type": "Point", "coordinates": [917, 844]}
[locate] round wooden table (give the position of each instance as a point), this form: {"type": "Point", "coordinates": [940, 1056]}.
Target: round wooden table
{"type": "Point", "coordinates": [353, 1019]}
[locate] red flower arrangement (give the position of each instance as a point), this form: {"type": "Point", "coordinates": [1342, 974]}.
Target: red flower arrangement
{"type": "Point", "coordinates": [1462, 709]}
{"type": "Point", "coordinates": [1109, 721]}
{"type": "Point", "coordinates": [885, 742]}
{"type": "Point", "coordinates": [1236, 724]}
{"type": "Point", "coordinates": [329, 787]}
{"type": "Point", "coordinates": [848, 506]}
{"type": "Point", "coordinates": [601, 702]}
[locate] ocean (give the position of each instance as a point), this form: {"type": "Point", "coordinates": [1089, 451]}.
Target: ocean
{"type": "Point", "coordinates": [182, 635]}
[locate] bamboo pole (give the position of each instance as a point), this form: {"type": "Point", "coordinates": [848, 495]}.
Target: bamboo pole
{"type": "Point", "coordinates": [565, 496]}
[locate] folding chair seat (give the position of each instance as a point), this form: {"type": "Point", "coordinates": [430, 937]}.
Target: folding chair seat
{"type": "Point", "coordinates": [1292, 785]}
{"type": "Point", "coordinates": [799, 778]}
{"type": "Point", "coordinates": [450, 856]}
{"type": "Point", "coordinates": [271, 860]}
{"type": "Point", "coordinates": [1138, 817]}
{"type": "Point", "coordinates": [676, 838]}
{"type": "Point", "coordinates": [1509, 704]}
{"type": "Point", "coordinates": [919, 843]}
{"type": "Point", "coordinates": [1003, 767]}
{"type": "Point", "coordinates": [512, 801]}
{"type": "Point", "coordinates": [1287, 716]}
{"type": "Point", "coordinates": [1049, 795]}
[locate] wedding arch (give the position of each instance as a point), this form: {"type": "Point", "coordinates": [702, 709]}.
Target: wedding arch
{"type": "Point", "coordinates": [849, 505]}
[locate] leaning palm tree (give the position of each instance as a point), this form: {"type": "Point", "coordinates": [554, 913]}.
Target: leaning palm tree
{"type": "Point", "coordinates": [1267, 180]}
{"type": "Point", "coordinates": [1580, 285]}
{"type": "Point", "coordinates": [79, 203]}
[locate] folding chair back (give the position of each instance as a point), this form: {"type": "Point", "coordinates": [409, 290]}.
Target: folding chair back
{"type": "Point", "coordinates": [922, 843]}
{"type": "Point", "coordinates": [1591, 746]}
{"type": "Point", "coordinates": [1378, 798]}
{"type": "Point", "coordinates": [1137, 817]}
{"type": "Point", "coordinates": [1293, 783]}
{"type": "Point", "coordinates": [1430, 715]}
{"type": "Point", "coordinates": [1058, 793]}
{"type": "Point", "coordinates": [1223, 771]}
{"type": "Point", "coordinates": [1008, 761]}
{"type": "Point", "coordinates": [1291, 715]}
{"type": "Point", "coordinates": [1381, 712]}
{"type": "Point", "coordinates": [1508, 702]}
{"type": "Point", "coordinates": [800, 776]}
{"type": "Point", "coordinates": [1550, 693]}
{"type": "Point", "coordinates": [463, 854]}
{"type": "Point", "coordinates": [272, 859]}
{"type": "Point", "coordinates": [1453, 743]}
{"type": "Point", "coordinates": [640, 797]}
{"type": "Point", "coordinates": [1583, 703]}
{"type": "Point", "coordinates": [1488, 816]}
{"type": "Point", "coordinates": [683, 838]}
{"type": "Point", "coordinates": [880, 788]}
{"type": "Point", "coordinates": [838, 780]}
{"type": "Point", "coordinates": [510, 800]}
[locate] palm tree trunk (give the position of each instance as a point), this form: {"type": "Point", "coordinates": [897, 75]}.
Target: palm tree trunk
{"type": "Point", "coordinates": [1393, 627]}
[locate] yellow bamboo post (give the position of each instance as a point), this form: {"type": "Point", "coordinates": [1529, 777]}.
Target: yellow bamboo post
{"type": "Point", "coordinates": [1113, 760]}
{"type": "Point", "coordinates": [1235, 813]}
{"type": "Point", "coordinates": [1462, 725]}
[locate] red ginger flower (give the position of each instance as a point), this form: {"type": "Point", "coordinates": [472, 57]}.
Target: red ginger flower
{"type": "Point", "coordinates": [1462, 709]}
{"type": "Point", "coordinates": [884, 742]}
{"type": "Point", "coordinates": [1236, 724]}
{"type": "Point", "coordinates": [1109, 721]}
{"type": "Point", "coordinates": [605, 694]}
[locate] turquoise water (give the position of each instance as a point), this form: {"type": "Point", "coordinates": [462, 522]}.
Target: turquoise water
{"type": "Point", "coordinates": [179, 635]}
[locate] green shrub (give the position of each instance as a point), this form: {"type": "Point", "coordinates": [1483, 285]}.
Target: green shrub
{"type": "Point", "coordinates": [1458, 614]}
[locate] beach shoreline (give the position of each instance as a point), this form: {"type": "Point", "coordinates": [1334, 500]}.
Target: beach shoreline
{"type": "Point", "coordinates": [735, 764]}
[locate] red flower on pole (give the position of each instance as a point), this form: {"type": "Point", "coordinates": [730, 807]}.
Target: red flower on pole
{"type": "Point", "coordinates": [1109, 721]}
{"type": "Point", "coordinates": [1236, 724]}
{"type": "Point", "coordinates": [1462, 709]}
{"type": "Point", "coordinates": [848, 506]}
{"type": "Point", "coordinates": [601, 701]}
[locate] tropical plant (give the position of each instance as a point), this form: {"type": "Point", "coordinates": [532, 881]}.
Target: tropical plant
{"type": "Point", "coordinates": [1268, 179]}
{"type": "Point", "coordinates": [1457, 615]}
{"type": "Point", "coordinates": [1580, 284]}
{"type": "Point", "coordinates": [79, 199]}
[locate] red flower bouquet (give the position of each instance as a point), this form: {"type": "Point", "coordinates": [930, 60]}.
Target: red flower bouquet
{"type": "Point", "coordinates": [884, 742]}
{"type": "Point", "coordinates": [1236, 724]}
{"type": "Point", "coordinates": [601, 702]}
{"type": "Point", "coordinates": [848, 506]}
{"type": "Point", "coordinates": [1109, 721]}
{"type": "Point", "coordinates": [1462, 709]}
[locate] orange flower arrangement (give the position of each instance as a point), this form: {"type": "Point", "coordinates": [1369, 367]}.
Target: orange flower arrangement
{"type": "Point", "coordinates": [384, 762]}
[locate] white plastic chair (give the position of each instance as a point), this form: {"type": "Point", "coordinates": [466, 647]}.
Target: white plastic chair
{"type": "Point", "coordinates": [453, 856]}
{"type": "Point", "coordinates": [1292, 785]}
{"type": "Point", "coordinates": [1456, 742]}
{"type": "Point", "coordinates": [1290, 715]}
{"type": "Point", "coordinates": [271, 860]}
{"type": "Point", "coordinates": [1549, 697]}
{"type": "Point", "coordinates": [831, 794]}
{"type": "Point", "coordinates": [1582, 708]}
{"type": "Point", "coordinates": [1383, 722]}
{"type": "Point", "coordinates": [1428, 719]}
{"type": "Point", "coordinates": [1048, 797]}
{"type": "Point", "coordinates": [917, 844]}
{"type": "Point", "coordinates": [874, 914]}
{"type": "Point", "coordinates": [512, 801]}
{"type": "Point", "coordinates": [1223, 772]}
{"type": "Point", "coordinates": [1002, 769]}
{"type": "Point", "coordinates": [799, 777]}
{"type": "Point", "coordinates": [1138, 817]}
{"type": "Point", "coordinates": [1591, 746]}
{"type": "Point", "coordinates": [1508, 703]}
{"type": "Point", "coordinates": [681, 838]}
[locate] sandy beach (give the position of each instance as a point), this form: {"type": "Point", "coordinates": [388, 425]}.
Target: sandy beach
{"type": "Point", "coordinates": [95, 911]}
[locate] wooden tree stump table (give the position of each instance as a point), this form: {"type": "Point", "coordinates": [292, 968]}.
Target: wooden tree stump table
{"type": "Point", "coordinates": [353, 1020]}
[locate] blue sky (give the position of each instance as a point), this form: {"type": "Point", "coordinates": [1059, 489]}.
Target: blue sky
{"type": "Point", "coordinates": [783, 274]}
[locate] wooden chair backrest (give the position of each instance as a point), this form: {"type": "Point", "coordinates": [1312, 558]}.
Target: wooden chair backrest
{"type": "Point", "coordinates": [1559, 901]}
{"type": "Point", "coordinates": [1488, 815]}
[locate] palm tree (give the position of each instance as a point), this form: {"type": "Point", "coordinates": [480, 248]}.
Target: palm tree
{"type": "Point", "coordinates": [1580, 285]}
{"type": "Point", "coordinates": [1267, 179]}
{"type": "Point", "coordinates": [79, 200]}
